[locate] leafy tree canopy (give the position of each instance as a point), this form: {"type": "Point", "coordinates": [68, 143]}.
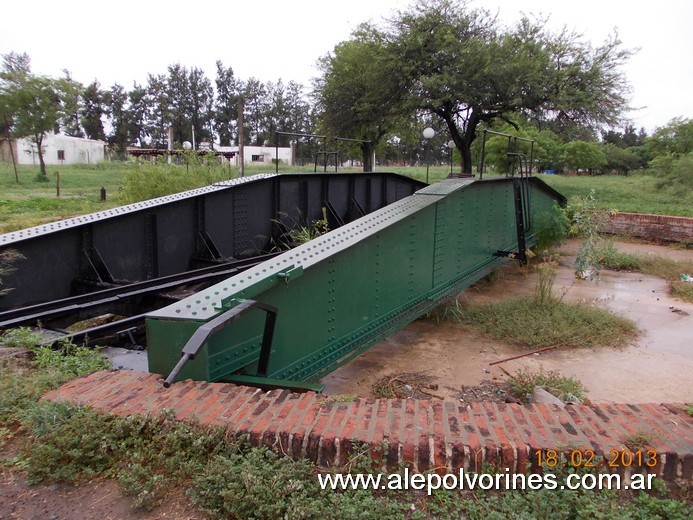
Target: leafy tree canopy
{"type": "Point", "coordinates": [444, 58]}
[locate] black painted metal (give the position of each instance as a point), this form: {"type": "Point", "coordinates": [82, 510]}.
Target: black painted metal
{"type": "Point", "coordinates": [59, 313]}
{"type": "Point", "coordinates": [238, 219]}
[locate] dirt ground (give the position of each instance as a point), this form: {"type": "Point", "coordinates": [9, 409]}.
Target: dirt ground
{"type": "Point", "coordinates": [656, 367]}
{"type": "Point", "coordinates": [431, 359]}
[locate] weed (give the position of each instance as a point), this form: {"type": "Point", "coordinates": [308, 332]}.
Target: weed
{"type": "Point", "coordinates": [21, 337]}
{"type": "Point", "coordinates": [567, 389]}
{"type": "Point", "coordinates": [69, 359]}
{"type": "Point", "coordinates": [609, 257]}
{"type": "Point", "coordinates": [552, 228]}
{"type": "Point", "coordinates": [7, 258]}
{"type": "Point", "coordinates": [341, 398]}
{"type": "Point", "coordinates": [543, 291]}
{"type": "Point", "coordinates": [587, 222]}
{"type": "Point", "coordinates": [299, 232]}
{"type": "Point", "coordinates": [638, 440]}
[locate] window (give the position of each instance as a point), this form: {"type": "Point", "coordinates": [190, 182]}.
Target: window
{"type": "Point", "coordinates": [258, 158]}
{"type": "Point", "coordinates": [61, 155]}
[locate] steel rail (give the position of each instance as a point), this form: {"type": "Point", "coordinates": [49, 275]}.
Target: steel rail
{"type": "Point", "coordinates": [106, 298]}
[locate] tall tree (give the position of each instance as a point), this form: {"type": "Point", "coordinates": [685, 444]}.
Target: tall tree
{"type": "Point", "coordinates": [71, 97]}
{"type": "Point", "coordinates": [36, 110]}
{"type": "Point", "coordinates": [92, 113]}
{"type": "Point", "coordinates": [200, 104]}
{"type": "Point", "coordinates": [159, 110]}
{"type": "Point", "coordinates": [137, 116]}
{"type": "Point", "coordinates": [254, 94]}
{"type": "Point", "coordinates": [115, 106]}
{"type": "Point", "coordinates": [177, 92]}
{"type": "Point", "coordinates": [225, 105]}
{"type": "Point", "coordinates": [360, 94]}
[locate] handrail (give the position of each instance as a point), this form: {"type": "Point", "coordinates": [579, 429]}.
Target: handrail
{"type": "Point", "coordinates": [199, 338]}
{"type": "Point", "coordinates": [508, 153]}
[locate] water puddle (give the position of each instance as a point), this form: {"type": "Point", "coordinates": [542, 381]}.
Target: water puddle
{"type": "Point", "coordinates": [656, 367]}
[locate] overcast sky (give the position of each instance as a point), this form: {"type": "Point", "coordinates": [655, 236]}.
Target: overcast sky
{"type": "Point", "coordinates": [122, 41]}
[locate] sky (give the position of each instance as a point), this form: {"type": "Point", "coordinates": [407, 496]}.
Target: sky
{"type": "Point", "coordinates": [121, 42]}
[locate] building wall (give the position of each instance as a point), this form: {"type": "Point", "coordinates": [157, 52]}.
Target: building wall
{"type": "Point", "coordinates": [57, 149]}
{"type": "Point", "coordinates": [259, 154]}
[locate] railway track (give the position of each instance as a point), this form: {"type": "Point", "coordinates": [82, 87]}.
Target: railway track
{"type": "Point", "coordinates": [121, 308]}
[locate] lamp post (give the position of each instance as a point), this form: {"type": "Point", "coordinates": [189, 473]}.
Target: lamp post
{"type": "Point", "coordinates": [428, 134]}
{"type": "Point", "coordinates": [187, 147]}
{"type": "Point", "coordinates": [451, 145]}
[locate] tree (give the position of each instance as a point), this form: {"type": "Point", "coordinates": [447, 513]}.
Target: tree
{"type": "Point", "coordinates": [71, 98]}
{"type": "Point", "coordinates": [360, 93]}
{"type": "Point", "coordinates": [546, 152]}
{"type": "Point", "coordinates": [176, 88]}
{"type": "Point", "coordinates": [675, 138]}
{"type": "Point", "coordinates": [137, 115]}
{"type": "Point", "coordinates": [115, 106]}
{"type": "Point", "coordinates": [226, 104]}
{"type": "Point", "coordinates": [201, 104]}
{"type": "Point", "coordinates": [620, 160]}
{"type": "Point", "coordinates": [583, 155]}
{"type": "Point", "coordinates": [458, 64]}
{"type": "Point", "coordinates": [91, 115]}
{"type": "Point", "coordinates": [158, 110]}
{"type": "Point", "coordinates": [254, 95]}
{"type": "Point", "coordinates": [31, 105]}
{"type": "Point", "coordinates": [36, 110]}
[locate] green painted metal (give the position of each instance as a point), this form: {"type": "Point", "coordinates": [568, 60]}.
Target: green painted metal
{"type": "Point", "coordinates": [339, 294]}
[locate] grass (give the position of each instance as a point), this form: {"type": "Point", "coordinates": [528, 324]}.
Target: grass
{"type": "Point", "coordinates": [544, 320]}
{"type": "Point", "coordinates": [521, 322]}
{"type": "Point", "coordinates": [33, 202]}
{"type": "Point", "coordinates": [635, 193]}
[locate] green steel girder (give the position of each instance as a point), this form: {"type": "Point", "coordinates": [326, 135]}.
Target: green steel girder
{"type": "Point", "coordinates": [341, 293]}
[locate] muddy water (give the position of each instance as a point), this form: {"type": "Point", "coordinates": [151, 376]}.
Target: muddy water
{"type": "Point", "coordinates": [656, 367]}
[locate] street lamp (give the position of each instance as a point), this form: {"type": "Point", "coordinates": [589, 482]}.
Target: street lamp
{"type": "Point", "coordinates": [451, 145]}
{"type": "Point", "coordinates": [428, 134]}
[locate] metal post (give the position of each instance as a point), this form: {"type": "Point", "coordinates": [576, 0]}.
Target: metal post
{"type": "Point", "coordinates": [428, 148]}
{"type": "Point", "coordinates": [428, 134]}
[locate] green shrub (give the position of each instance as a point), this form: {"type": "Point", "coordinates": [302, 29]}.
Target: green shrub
{"type": "Point", "coordinates": [552, 228]}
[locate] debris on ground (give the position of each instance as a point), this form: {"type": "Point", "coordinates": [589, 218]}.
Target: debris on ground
{"type": "Point", "coordinates": [414, 385]}
{"type": "Point", "coordinates": [487, 392]}
{"type": "Point", "coordinates": [678, 311]}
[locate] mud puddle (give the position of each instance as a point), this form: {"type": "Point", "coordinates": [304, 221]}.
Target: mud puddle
{"type": "Point", "coordinates": [656, 367]}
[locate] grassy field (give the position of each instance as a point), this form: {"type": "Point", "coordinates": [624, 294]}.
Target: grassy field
{"type": "Point", "coordinates": [33, 202]}
{"type": "Point", "coordinates": [635, 193]}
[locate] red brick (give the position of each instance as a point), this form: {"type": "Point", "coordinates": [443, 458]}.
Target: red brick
{"type": "Point", "coordinates": [425, 434]}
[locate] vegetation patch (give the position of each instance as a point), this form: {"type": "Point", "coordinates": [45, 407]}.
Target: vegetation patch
{"type": "Point", "coordinates": [154, 457]}
{"type": "Point", "coordinates": [567, 389]}
{"type": "Point", "coordinates": [522, 322]}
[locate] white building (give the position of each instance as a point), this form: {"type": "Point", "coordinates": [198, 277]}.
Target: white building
{"type": "Point", "coordinates": [57, 149]}
{"type": "Point", "coordinates": [259, 154]}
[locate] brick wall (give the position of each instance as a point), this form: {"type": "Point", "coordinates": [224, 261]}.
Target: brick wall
{"type": "Point", "coordinates": [440, 435]}
{"type": "Point", "coordinates": [652, 227]}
